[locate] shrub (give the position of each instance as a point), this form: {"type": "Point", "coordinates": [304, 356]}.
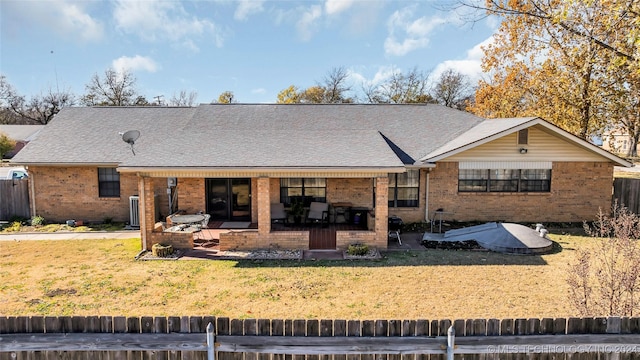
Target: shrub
{"type": "Point", "coordinates": [358, 249]}
{"type": "Point", "coordinates": [605, 279]}
{"type": "Point", "coordinates": [37, 220]}
{"type": "Point", "coordinates": [13, 227]}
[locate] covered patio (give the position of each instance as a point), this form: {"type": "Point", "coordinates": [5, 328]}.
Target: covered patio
{"type": "Point", "coordinates": [365, 224]}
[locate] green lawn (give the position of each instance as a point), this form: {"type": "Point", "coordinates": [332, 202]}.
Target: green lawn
{"type": "Point", "coordinates": [101, 277]}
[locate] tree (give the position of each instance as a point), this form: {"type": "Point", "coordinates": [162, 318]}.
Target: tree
{"type": "Point", "coordinates": [38, 109]}
{"type": "Point", "coordinates": [332, 90]}
{"type": "Point", "coordinates": [335, 86]}
{"type": "Point", "coordinates": [289, 95]}
{"type": "Point", "coordinates": [401, 88]}
{"type": "Point", "coordinates": [452, 89]}
{"type": "Point", "coordinates": [6, 144]}
{"type": "Point", "coordinates": [604, 280]}
{"type": "Point", "coordinates": [183, 99]}
{"type": "Point", "coordinates": [618, 31]}
{"type": "Point", "coordinates": [226, 97]}
{"type": "Point", "coordinates": [114, 89]}
{"type": "Point", "coordinates": [569, 52]}
{"type": "Point", "coordinates": [564, 69]}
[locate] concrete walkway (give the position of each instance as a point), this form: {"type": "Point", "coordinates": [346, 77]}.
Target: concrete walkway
{"type": "Point", "coordinates": [68, 235]}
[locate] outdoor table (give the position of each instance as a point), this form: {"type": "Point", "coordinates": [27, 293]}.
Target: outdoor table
{"type": "Point", "coordinates": [187, 219]}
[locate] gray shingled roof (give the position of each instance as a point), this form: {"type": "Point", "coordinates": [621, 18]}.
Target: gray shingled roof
{"type": "Point", "coordinates": [241, 135]}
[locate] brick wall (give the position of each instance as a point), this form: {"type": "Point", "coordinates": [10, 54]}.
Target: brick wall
{"type": "Point", "coordinates": [359, 192]}
{"type": "Point", "coordinates": [175, 239]}
{"type": "Point", "coordinates": [191, 195]}
{"type": "Point", "coordinates": [251, 239]}
{"type": "Point", "coordinates": [63, 193]}
{"type": "Point", "coordinates": [578, 190]}
{"type": "Point", "coordinates": [349, 237]}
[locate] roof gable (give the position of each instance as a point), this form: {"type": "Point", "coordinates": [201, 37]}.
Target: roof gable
{"type": "Point", "coordinates": [493, 129]}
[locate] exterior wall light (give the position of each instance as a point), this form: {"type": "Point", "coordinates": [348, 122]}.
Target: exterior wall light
{"type": "Point", "coordinates": [523, 150]}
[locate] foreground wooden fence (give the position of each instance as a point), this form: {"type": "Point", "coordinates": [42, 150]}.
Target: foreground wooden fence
{"type": "Point", "coordinates": [14, 198]}
{"type": "Point", "coordinates": [106, 337]}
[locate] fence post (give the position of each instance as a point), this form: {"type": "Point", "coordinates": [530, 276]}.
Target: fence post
{"type": "Point", "coordinates": [211, 343]}
{"type": "Point", "coordinates": [451, 342]}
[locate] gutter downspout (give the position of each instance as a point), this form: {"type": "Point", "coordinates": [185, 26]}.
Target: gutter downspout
{"type": "Point", "coordinates": [32, 193]}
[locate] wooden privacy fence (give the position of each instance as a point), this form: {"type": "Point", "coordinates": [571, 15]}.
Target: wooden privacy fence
{"type": "Point", "coordinates": [627, 192]}
{"type": "Point", "coordinates": [106, 337]}
{"type": "Point", "coordinates": [14, 198]}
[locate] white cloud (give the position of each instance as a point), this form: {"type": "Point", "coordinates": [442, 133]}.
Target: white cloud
{"type": "Point", "coordinates": [258, 91]}
{"type": "Point", "coordinates": [134, 64]}
{"type": "Point", "coordinates": [248, 7]}
{"type": "Point", "coordinates": [162, 21]}
{"type": "Point", "coordinates": [307, 22]}
{"type": "Point", "coordinates": [470, 66]}
{"type": "Point", "coordinates": [337, 6]}
{"type": "Point", "coordinates": [407, 34]}
{"type": "Point", "coordinates": [67, 18]}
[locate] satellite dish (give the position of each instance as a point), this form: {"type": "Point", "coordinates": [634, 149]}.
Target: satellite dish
{"type": "Point", "coordinates": [130, 138]}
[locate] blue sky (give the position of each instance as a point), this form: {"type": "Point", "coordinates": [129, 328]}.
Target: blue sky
{"type": "Point", "coordinates": [253, 48]}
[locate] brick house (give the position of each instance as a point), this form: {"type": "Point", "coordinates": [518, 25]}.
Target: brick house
{"type": "Point", "coordinates": [234, 160]}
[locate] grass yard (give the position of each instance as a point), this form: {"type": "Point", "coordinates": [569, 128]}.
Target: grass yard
{"type": "Point", "coordinates": [101, 277]}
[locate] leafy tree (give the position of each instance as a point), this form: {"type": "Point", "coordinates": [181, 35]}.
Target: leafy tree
{"type": "Point", "coordinates": [226, 97]}
{"type": "Point", "coordinates": [6, 144]}
{"type": "Point", "coordinates": [183, 99]}
{"type": "Point", "coordinates": [566, 51]}
{"type": "Point", "coordinates": [333, 89]}
{"type": "Point", "coordinates": [114, 89]}
{"type": "Point", "coordinates": [604, 280]}
{"type": "Point", "coordinates": [401, 88]}
{"type": "Point", "coordinates": [38, 109]}
{"type": "Point", "coordinates": [452, 89]}
{"type": "Point", "coordinates": [289, 95]}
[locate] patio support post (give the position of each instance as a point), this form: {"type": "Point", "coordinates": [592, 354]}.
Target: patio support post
{"type": "Point", "coordinates": [147, 208]}
{"type": "Point", "coordinates": [264, 206]}
{"type": "Point", "coordinates": [382, 211]}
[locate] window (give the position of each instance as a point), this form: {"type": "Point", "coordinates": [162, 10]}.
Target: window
{"type": "Point", "coordinates": [303, 190]}
{"type": "Point", "coordinates": [523, 137]}
{"type": "Point", "coordinates": [504, 180]}
{"type": "Point", "coordinates": [403, 188]}
{"type": "Point", "coordinates": [108, 182]}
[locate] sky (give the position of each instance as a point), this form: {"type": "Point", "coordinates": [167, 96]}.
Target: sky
{"type": "Point", "coordinates": [253, 48]}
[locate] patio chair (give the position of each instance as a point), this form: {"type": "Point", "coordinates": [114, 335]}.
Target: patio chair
{"type": "Point", "coordinates": [278, 213]}
{"type": "Point", "coordinates": [205, 221]}
{"type": "Point", "coordinates": [318, 213]}
{"type": "Point", "coordinates": [395, 223]}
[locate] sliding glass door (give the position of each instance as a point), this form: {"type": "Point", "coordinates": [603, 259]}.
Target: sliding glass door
{"type": "Point", "coordinates": [229, 199]}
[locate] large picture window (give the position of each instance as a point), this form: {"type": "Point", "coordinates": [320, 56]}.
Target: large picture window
{"type": "Point", "coordinates": [108, 182]}
{"type": "Point", "coordinates": [305, 190]}
{"type": "Point", "coordinates": [504, 180]}
{"type": "Point", "coordinates": [404, 188]}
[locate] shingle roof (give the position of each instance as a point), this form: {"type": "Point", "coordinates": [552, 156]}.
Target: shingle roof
{"type": "Point", "coordinates": [240, 135]}
{"type": "Point", "coordinates": [262, 135]}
